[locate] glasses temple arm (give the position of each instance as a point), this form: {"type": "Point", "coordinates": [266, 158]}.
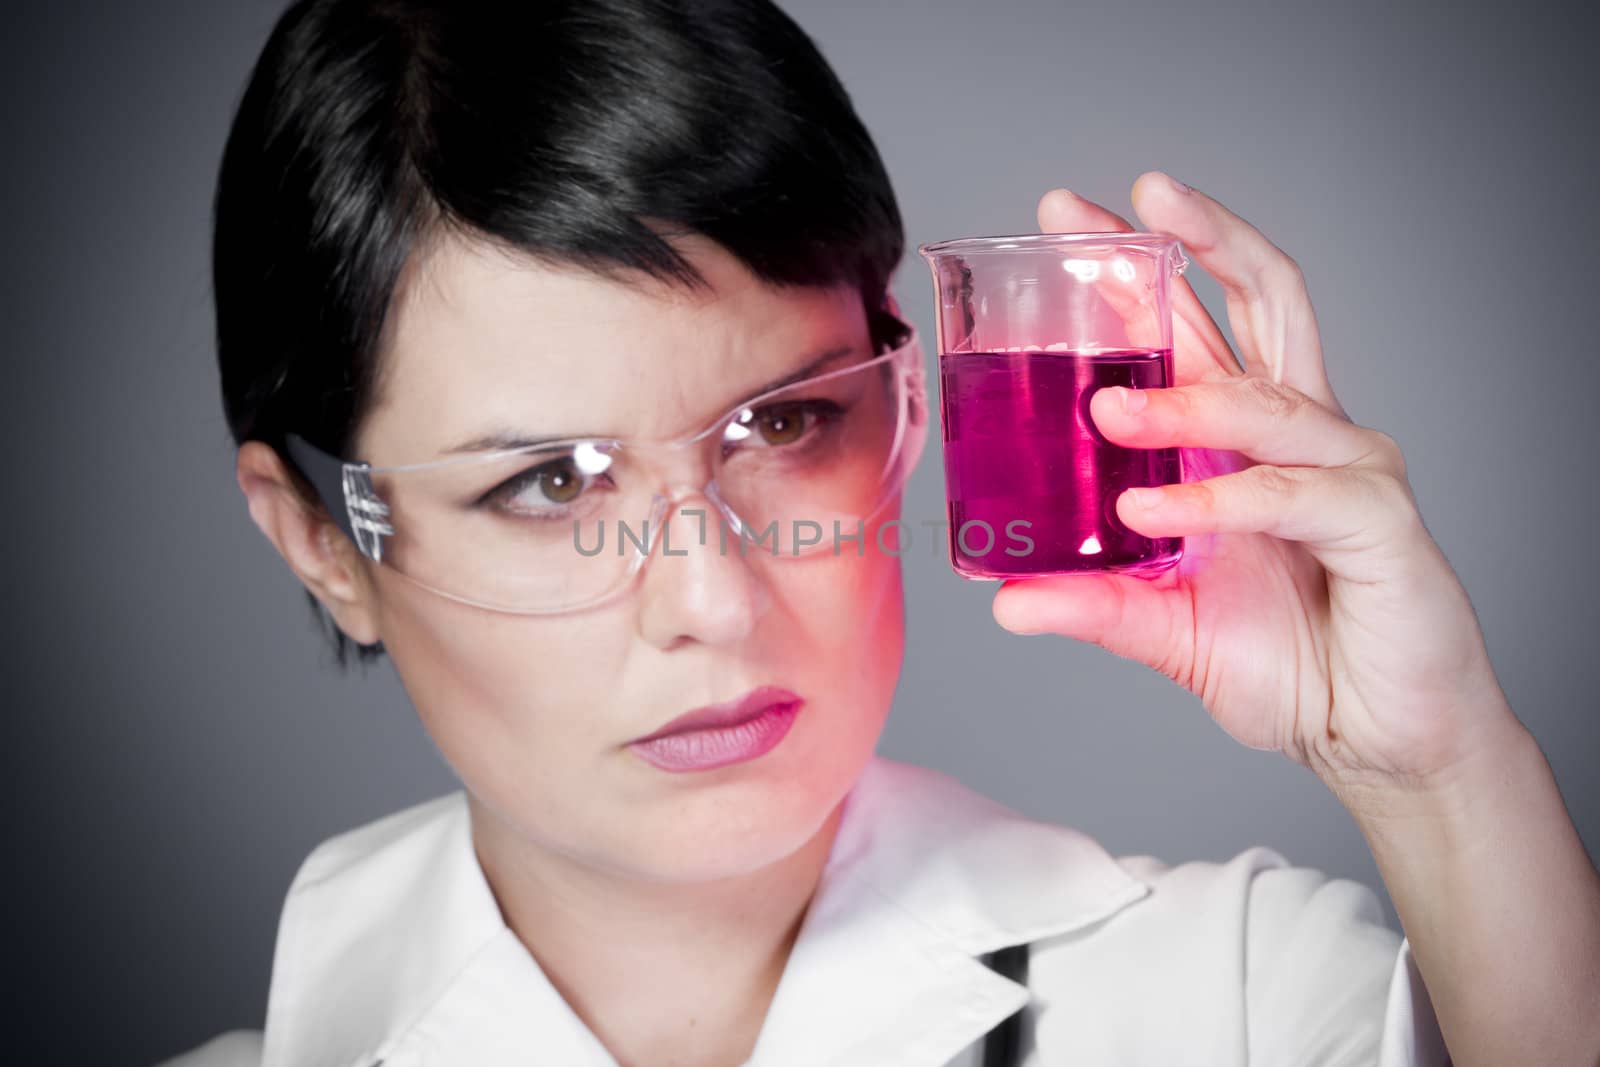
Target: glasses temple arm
{"type": "Point", "coordinates": [326, 475]}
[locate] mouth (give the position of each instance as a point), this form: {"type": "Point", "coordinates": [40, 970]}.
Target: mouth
{"type": "Point", "coordinates": [729, 713]}
{"type": "Point", "coordinates": [719, 734]}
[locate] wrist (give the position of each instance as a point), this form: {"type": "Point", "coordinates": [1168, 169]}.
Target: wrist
{"type": "Point", "coordinates": [1495, 891]}
{"type": "Point", "coordinates": [1485, 764]}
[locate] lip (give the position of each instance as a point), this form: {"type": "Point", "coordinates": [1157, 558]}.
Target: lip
{"type": "Point", "coordinates": [721, 734]}
{"type": "Point", "coordinates": [728, 713]}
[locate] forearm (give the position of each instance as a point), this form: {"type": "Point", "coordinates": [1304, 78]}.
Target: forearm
{"type": "Point", "coordinates": [1501, 905]}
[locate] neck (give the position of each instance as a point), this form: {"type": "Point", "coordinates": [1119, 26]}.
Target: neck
{"type": "Point", "coordinates": [655, 968]}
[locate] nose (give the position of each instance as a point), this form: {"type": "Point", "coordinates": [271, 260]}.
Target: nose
{"type": "Point", "coordinates": [699, 587]}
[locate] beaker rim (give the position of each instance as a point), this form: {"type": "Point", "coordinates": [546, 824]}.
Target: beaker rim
{"type": "Point", "coordinates": [1022, 242]}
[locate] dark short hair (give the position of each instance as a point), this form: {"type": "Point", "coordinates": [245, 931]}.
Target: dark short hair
{"type": "Point", "coordinates": [579, 132]}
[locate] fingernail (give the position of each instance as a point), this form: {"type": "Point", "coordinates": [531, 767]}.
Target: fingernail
{"type": "Point", "coordinates": [1177, 186]}
{"type": "Point", "coordinates": [1133, 400]}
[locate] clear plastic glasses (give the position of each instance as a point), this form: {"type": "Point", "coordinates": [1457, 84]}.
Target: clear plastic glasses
{"type": "Point", "coordinates": [570, 523]}
{"type": "Point", "coordinates": [1029, 327]}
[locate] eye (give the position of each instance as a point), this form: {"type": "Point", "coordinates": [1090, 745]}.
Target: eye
{"type": "Point", "coordinates": [559, 481]}
{"type": "Point", "coordinates": [545, 489]}
{"type": "Point", "coordinates": [781, 424]}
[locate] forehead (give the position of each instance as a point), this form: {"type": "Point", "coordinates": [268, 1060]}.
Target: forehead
{"type": "Point", "coordinates": [480, 339]}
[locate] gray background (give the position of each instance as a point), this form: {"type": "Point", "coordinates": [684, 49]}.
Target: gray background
{"type": "Point", "coordinates": [178, 738]}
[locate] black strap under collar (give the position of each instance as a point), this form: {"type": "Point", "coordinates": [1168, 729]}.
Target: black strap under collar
{"type": "Point", "coordinates": [1003, 1046]}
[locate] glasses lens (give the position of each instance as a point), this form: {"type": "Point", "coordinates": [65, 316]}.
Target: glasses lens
{"type": "Point", "coordinates": [547, 530]}
{"type": "Point", "coordinates": [533, 531]}
{"type": "Point", "coordinates": [806, 467]}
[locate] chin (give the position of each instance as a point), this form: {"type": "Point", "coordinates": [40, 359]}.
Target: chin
{"type": "Point", "coordinates": [755, 816]}
{"type": "Point", "coordinates": [697, 852]}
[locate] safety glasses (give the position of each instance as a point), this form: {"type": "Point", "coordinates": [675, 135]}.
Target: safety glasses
{"type": "Point", "coordinates": [571, 523]}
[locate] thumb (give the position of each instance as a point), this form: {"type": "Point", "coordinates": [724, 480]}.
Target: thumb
{"type": "Point", "coordinates": [1130, 616]}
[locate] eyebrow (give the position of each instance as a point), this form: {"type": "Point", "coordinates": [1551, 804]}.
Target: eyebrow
{"type": "Point", "coordinates": [512, 440]}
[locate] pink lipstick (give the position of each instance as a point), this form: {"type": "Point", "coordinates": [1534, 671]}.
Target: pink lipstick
{"type": "Point", "coordinates": [721, 734]}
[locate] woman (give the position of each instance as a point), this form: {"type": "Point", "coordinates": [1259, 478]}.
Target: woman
{"type": "Point", "coordinates": [531, 318]}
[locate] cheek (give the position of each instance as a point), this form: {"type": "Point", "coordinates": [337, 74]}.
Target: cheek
{"type": "Point", "coordinates": [516, 705]}
{"type": "Point", "coordinates": [844, 620]}
{"type": "Point", "coordinates": [851, 604]}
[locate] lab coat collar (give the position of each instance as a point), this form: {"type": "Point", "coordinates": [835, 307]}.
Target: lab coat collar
{"type": "Point", "coordinates": [391, 946]}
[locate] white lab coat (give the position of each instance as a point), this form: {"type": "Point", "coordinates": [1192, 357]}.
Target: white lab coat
{"type": "Point", "coordinates": [392, 949]}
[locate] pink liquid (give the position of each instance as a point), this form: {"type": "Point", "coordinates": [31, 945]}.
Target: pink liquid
{"type": "Point", "coordinates": [1019, 444]}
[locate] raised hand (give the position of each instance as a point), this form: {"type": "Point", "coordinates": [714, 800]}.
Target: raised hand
{"type": "Point", "coordinates": [1312, 614]}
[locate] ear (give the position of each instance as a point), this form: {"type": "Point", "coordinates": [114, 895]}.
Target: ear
{"type": "Point", "coordinates": [320, 555]}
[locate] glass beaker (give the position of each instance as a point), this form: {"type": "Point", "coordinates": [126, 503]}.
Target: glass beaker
{"type": "Point", "coordinates": [1029, 327]}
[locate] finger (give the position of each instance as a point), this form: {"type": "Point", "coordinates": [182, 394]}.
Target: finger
{"type": "Point", "coordinates": [1123, 297]}
{"type": "Point", "coordinates": [1359, 523]}
{"type": "Point", "coordinates": [1126, 615]}
{"type": "Point", "coordinates": [1265, 420]}
{"type": "Point", "coordinates": [1199, 349]}
{"type": "Point", "coordinates": [1268, 305]}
